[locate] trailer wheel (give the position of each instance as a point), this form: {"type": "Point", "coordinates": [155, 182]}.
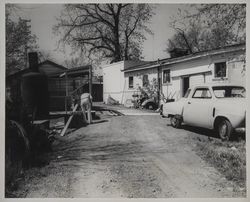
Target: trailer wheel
{"type": "Point", "coordinates": [176, 121]}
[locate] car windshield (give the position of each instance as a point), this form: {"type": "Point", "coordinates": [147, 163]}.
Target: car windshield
{"type": "Point", "coordinates": [187, 93]}
{"type": "Point", "coordinates": [229, 91]}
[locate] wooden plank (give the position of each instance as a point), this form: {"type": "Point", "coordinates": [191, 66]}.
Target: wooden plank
{"type": "Point", "coordinates": [42, 124]}
{"type": "Point", "coordinates": [64, 113]}
{"type": "Point", "coordinates": [68, 122]}
{"type": "Point", "coordinates": [66, 89]}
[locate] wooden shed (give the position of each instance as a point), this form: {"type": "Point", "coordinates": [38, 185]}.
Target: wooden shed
{"type": "Point", "coordinates": [65, 85]}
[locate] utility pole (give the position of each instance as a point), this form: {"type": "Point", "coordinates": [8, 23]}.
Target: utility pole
{"type": "Point", "coordinates": [90, 92]}
{"type": "Point", "coordinates": [66, 93]}
{"type": "Point", "coordinates": [27, 32]}
{"type": "Point", "coordinates": [159, 81]}
{"type": "Point", "coordinates": [90, 80]}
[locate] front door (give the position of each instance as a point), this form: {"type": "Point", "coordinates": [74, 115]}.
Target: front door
{"type": "Point", "coordinates": [185, 85]}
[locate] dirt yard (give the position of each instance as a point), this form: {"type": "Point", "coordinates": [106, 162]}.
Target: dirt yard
{"type": "Point", "coordinates": [137, 156]}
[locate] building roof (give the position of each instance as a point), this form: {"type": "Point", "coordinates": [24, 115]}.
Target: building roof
{"type": "Point", "coordinates": [13, 73]}
{"type": "Point", "coordinates": [168, 61]}
{"type": "Point", "coordinates": [52, 63]}
{"type": "Point", "coordinates": [82, 70]}
{"type": "Point", "coordinates": [16, 72]}
{"type": "Point", "coordinates": [75, 71]}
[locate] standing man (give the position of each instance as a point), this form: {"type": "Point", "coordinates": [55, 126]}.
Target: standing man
{"type": "Point", "coordinates": [86, 102]}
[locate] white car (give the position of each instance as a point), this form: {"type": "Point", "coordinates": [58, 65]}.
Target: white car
{"type": "Point", "coordinates": [214, 106]}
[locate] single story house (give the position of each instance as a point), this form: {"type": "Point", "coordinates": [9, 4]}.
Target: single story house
{"type": "Point", "coordinates": [175, 75]}
{"type": "Point", "coordinates": [114, 82]}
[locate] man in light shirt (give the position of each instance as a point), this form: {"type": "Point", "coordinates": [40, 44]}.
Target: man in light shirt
{"type": "Point", "coordinates": [86, 102]}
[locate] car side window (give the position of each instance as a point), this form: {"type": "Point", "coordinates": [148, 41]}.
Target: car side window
{"type": "Point", "coordinates": [202, 93]}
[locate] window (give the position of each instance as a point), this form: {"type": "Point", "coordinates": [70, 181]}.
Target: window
{"type": "Point", "coordinates": [166, 76]}
{"type": "Point", "coordinates": [202, 93]}
{"type": "Point", "coordinates": [229, 91]}
{"type": "Point", "coordinates": [145, 80]}
{"type": "Point", "coordinates": [220, 70]}
{"type": "Point", "coordinates": [130, 82]}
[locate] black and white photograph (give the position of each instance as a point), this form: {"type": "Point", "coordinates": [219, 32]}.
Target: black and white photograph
{"type": "Point", "coordinates": [125, 100]}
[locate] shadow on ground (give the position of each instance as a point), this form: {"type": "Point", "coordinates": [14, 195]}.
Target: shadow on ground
{"type": "Point", "coordinates": [200, 131]}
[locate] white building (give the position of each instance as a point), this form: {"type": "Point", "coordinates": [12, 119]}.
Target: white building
{"type": "Point", "coordinates": [175, 75]}
{"type": "Point", "coordinates": [114, 82]}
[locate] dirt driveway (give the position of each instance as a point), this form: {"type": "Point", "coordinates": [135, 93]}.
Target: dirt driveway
{"type": "Point", "coordinates": [126, 156]}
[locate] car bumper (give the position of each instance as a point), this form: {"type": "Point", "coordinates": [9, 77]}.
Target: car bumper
{"type": "Point", "coordinates": [240, 130]}
{"type": "Point", "coordinates": [242, 127]}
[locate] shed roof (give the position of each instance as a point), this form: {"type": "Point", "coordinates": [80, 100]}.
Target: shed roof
{"type": "Point", "coordinates": [14, 73]}
{"type": "Point", "coordinates": [75, 71]}
{"type": "Point", "coordinates": [52, 63]}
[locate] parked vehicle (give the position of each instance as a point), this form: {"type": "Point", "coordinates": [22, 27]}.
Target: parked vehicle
{"type": "Point", "coordinates": [214, 106]}
{"type": "Point", "coordinates": [149, 104]}
{"type": "Point", "coordinates": [143, 101]}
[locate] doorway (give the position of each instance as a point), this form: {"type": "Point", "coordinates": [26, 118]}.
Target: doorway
{"type": "Point", "coordinates": [185, 85]}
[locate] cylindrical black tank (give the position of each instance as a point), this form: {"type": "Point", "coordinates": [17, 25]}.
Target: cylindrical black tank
{"type": "Point", "coordinates": [35, 95]}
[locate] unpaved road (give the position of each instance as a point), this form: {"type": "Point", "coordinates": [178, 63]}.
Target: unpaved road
{"type": "Point", "coordinates": [126, 156]}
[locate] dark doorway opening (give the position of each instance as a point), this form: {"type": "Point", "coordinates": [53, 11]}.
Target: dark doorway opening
{"type": "Point", "coordinates": [185, 85]}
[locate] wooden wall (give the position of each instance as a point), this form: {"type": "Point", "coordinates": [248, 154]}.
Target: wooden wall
{"type": "Point", "coordinates": [57, 91]}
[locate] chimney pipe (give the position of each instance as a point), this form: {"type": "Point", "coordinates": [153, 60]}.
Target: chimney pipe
{"type": "Point", "coordinates": [33, 61]}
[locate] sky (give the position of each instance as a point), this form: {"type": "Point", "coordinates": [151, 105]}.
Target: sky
{"type": "Point", "coordinates": [43, 17]}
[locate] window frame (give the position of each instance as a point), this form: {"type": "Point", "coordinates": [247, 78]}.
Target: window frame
{"type": "Point", "coordinates": [215, 70]}
{"type": "Point", "coordinates": [215, 88]}
{"type": "Point", "coordinates": [143, 83]}
{"type": "Point", "coordinates": [202, 88]}
{"type": "Point", "coordinates": [129, 84]}
{"type": "Point", "coordinates": [163, 80]}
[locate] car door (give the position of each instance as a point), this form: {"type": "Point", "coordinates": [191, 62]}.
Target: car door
{"type": "Point", "coordinates": [198, 109]}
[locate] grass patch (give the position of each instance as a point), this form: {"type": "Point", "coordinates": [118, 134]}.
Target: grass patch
{"type": "Point", "coordinates": [229, 158]}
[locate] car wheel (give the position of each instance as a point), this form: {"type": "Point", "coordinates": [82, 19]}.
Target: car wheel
{"type": "Point", "coordinates": [175, 121]}
{"type": "Point", "coordinates": [151, 106]}
{"type": "Point", "coordinates": [225, 130]}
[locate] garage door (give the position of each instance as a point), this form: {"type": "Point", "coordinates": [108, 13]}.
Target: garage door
{"type": "Point", "coordinates": [196, 79]}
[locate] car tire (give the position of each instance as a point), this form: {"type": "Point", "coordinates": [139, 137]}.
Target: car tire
{"type": "Point", "coordinates": [151, 106]}
{"type": "Point", "coordinates": [225, 130]}
{"type": "Point", "coordinates": [176, 121]}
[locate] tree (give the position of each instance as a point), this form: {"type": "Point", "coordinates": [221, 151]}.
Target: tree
{"type": "Point", "coordinates": [44, 55]}
{"type": "Point", "coordinates": [19, 40]}
{"type": "Point", "coordinates": [114, 31]}
{"type": "Point", "coordinates": [209, 27]}
{"type": "Point", "coordinates": [74, 62]}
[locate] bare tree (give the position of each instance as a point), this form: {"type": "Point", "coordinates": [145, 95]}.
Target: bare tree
{"type": "Point", "coordinates": [115, 31]}
{"type": "Point", "coordinates": [19, 40]}
{"type": "Point", "coordinates": [44, 55]}
{"type": "Point", "coordinates": [210, 26]}
{"type": "Point", "coordinates": [75, 62]}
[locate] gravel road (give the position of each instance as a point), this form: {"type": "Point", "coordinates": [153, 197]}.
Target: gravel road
{"type": "Point", "coordinates": [126, 156]}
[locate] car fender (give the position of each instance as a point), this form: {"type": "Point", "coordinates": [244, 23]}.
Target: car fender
{"type": "Point", "coordinates": [235, 119]}
{"type": "Point", "coordinates": [150, 100]}
{"type": "Point", "coordinates": [173, 108]}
